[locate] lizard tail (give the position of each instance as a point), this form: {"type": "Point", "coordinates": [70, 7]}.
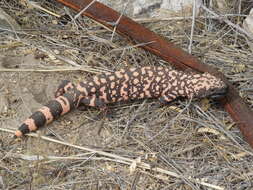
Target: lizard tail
{"type": "Point", "coordinates": [51, 111]}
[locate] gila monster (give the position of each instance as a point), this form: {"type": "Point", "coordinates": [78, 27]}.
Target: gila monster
{"type": "Point", "coordinates": [126, 84]}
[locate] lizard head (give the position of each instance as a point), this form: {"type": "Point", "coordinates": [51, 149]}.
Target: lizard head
{"type": "Point", "coordinates": [206, 85]}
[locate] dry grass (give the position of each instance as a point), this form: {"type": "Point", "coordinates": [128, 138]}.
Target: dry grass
{"type": "Point", "coordinates": [188, 145]}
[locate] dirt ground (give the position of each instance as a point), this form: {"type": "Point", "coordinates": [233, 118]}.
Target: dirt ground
{"type": "Point", "coordinates": [188, 145]}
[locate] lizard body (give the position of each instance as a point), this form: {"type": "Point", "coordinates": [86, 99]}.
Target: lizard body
{"type": "Point", "coordinates": [161, 83]}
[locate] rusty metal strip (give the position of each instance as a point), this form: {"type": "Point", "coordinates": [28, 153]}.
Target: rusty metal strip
{"type": "Point", "coordinates": [233, 103]}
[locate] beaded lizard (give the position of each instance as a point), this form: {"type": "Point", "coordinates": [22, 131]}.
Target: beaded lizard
{"type": "Point", "coordinates": [161, 83]}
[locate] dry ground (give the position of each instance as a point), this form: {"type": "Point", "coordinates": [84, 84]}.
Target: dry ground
{"type": "Point", "coordinates": [188, 145]}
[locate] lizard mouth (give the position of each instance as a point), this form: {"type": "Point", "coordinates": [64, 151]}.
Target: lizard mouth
{"type": "Point", "coordinates": [220, 94]}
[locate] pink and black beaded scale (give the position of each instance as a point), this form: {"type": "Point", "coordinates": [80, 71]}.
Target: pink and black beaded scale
{"type": "Point", "coordinates": [126, 84]}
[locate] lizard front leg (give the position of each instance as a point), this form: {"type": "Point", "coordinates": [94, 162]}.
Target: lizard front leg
{"type": "Point", "coordinates": [93, 101]}
{"type": "Point", "coordinates": [65, 86]}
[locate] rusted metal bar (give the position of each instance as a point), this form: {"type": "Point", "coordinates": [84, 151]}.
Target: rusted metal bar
{"type": "Point", "coordinates": [233, 103]}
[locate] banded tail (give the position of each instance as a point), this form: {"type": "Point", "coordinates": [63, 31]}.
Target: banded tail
{"type": "Point", "coordinates": [51, 111]}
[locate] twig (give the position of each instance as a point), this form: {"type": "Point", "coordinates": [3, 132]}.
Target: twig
{"type": "Point", "coordinates": [193, 25]}
{"type": "Point", "coordinates": [156, 19]}
{"type": "Point", "coordinates": [2, 183]}
{"type": "Point", "coordinates": [118, 20]}
{"type": "Point", "coordinates": [84, 9]}
{"type": "Point", "coordinates": [238, 20]}
{"type": "Point", "coordinates": [35, 5]}
{"type": "Point", "coordinates": [54, 158]}
{"type": "Point", "coordinates": [54, 69]}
